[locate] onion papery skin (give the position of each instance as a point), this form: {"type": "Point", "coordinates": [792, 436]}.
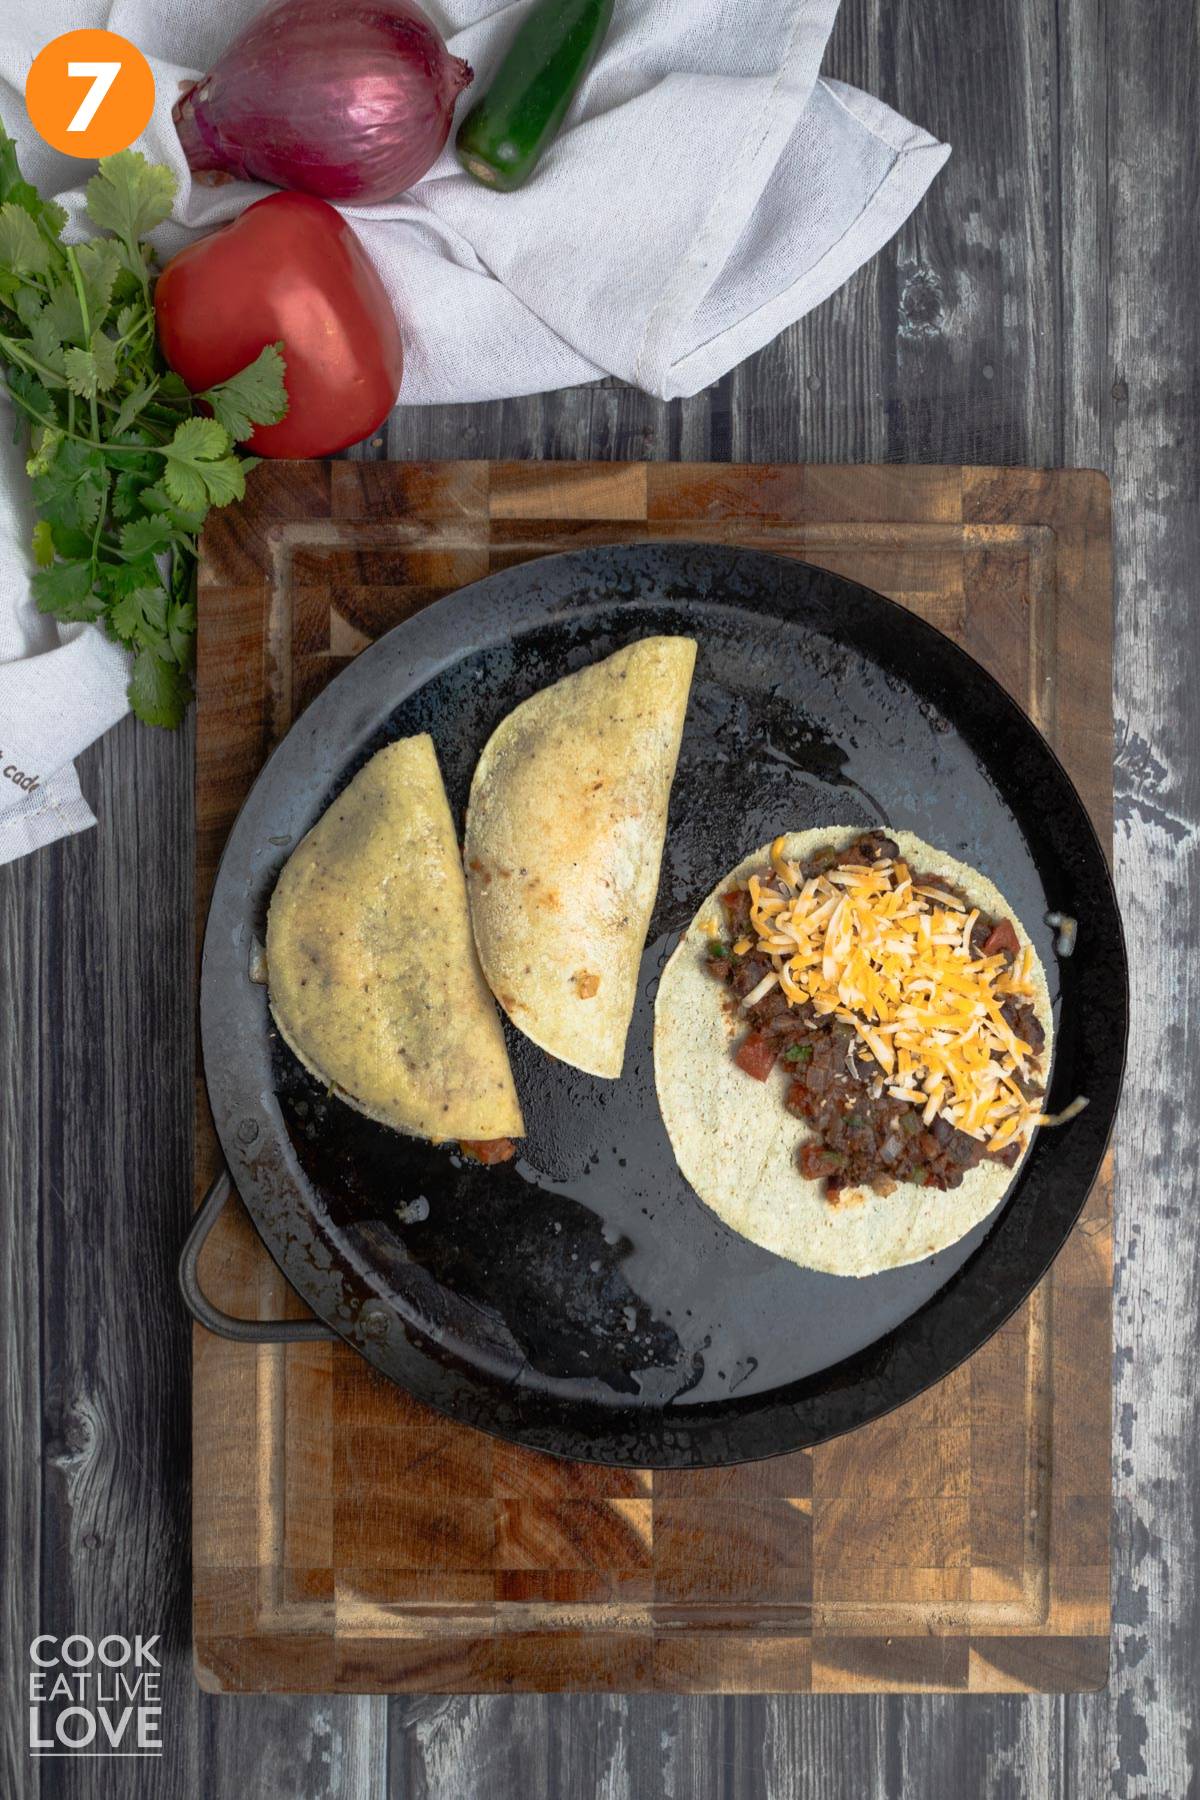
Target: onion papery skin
{"type": "Point", "coordinates": [349, 100]}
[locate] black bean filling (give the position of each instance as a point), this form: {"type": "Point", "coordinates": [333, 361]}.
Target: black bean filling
{"type": "Point", "coordinates": [862, 1139]}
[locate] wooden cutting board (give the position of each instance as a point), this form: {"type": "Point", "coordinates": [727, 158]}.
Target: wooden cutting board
{"type": "Point", "coordinates": [347, 1539]}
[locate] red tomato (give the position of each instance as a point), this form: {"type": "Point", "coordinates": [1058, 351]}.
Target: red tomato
{"type": "Point", "coordinates": [490, 1150]}
{"type": "Point", "coordinates": [288, 268]}
{"type": "Point", "coordinates": [1002, 937]}
{"type": "Point", "coordinates": [756, 1054]}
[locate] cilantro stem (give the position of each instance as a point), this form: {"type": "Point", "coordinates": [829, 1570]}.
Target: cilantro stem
{"type": "Point", "coordinates": [77, 278]}
{"type": "Point", "coordinates": [27, 278]}
{"type": "Point", "coordinates": [16, 352]}
{"type": "Point", "coordinates": [101, 515]}
{"type": "Point", "coordinates": [183, 569]}
{"type": "Point", "coordinates": [135, 255]}
{"type": "Point", "coordinates": [77, 437]}
{"type": "Point", "coordinates": [52, 424]}
{"type": "Point", "coordinates": [135, 330]}
{"type": "Point", "coordinates": [52, 237]}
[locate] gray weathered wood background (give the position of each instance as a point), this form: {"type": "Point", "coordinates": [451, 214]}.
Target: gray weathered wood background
{"type": "Point", "coordinates": [1040, 308]}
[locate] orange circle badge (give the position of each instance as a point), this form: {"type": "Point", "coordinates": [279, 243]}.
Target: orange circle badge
{"type": "Point", "coordinates": [90, 93]}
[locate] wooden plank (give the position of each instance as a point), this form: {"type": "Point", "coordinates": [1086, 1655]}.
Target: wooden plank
{"type": "Point", "coordinates": [115, 961]}
{"type": "Point", "coordinates": [21, 942]}
{"type": "Point", "coordinates": [294, 1749]}
{"type": "Point", "coordinates": [1148, 417]}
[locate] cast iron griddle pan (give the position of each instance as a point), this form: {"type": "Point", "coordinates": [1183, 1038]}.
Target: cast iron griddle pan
{"type": "Point", "coordinates": [581, 1299]}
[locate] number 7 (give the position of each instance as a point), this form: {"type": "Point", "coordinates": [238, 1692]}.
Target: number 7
{"type": "Point", "coordinates": [103, 74]}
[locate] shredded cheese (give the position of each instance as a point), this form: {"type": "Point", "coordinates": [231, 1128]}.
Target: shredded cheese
{"type": "Point", "coordinates": [762, 990]}
{"type": "Point", "coordinates": [892, 957]}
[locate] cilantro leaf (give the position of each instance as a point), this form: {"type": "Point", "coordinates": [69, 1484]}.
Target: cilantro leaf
{"type": "Point", "coordinates": [98, 266]}
{"type": "Point", "coordinates": [71, 491]}
{"type": "Point", "coordinates": [225, 480]}
{"type": "Point", "coordinates": [46, 346]}
{"type": "Point", "coordinates": [198, 440]}
{"type": "Point", "coordinates": [46, 214]}
{"type": "Point", "coordinates": [186, 487]}
{"type": "Point", "coordinates": [43, 545]}
{"type": "Point", "coordinates": [127, 494]}
{"type": "Point", "coordinates": [147, 536]}
{"type": "Point", "coordinates": [66, 590]}
{"type": "Point", "coordinates": [43, 443]}
{"type": "Point", "coordinates": [31, 396]}
{"type": "Point", "coordinates": [254, 396]}
{"type": "Point", "coordinates": [22, 246]}
{"type": "Point", "coordinates": [71, 543]}
{"type": "Point", "coordinates": [158, 690]}
{"type": "Point", "coordinates": [156, 499]}
{"type": "Point", "coordinates": [128, 285]}
{"type": "Point", "coordinates": [119, 579]}
{"type": "Point", "coordinates": [27, 304]}
{"type": "Point", "coordinates": [92, 371]}
{"type": "Point", "coordinates": [131, 406]}
{"type": "Point", "coordinates": [140, 616]}
{"type": "Point", "coordinates": [199, 467]}
{"type": "Point", "coordinates": [130, 196]}
{"type": "Point", "coordinates": [181, 632]}
{"type": "Point", "coordinates": [97, 274]}
{"type": "Point", "coordinates": [63, 311]}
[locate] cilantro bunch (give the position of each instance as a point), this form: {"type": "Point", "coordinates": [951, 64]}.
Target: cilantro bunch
{"type": "Point", "coordinates": [123, 463]}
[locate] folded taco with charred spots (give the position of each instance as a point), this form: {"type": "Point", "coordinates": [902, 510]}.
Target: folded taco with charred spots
{"type": "Point", "coordinates": [851, 1047]}
{"type": "Point", "coordinates": [564, 841]}
{"type": "Point", "coordinates": [371, 968]}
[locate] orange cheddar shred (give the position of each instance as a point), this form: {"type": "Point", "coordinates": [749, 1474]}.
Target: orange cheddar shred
{"type": "Point", "coordinates": [893, 958]}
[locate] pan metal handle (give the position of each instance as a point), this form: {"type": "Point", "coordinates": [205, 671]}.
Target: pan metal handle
{"type": "Point", "coordinates": [242, 1331]}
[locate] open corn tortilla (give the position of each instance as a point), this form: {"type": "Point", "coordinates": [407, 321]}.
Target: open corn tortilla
{"type": "Point", "coordinates": [734, 1139]}
{"type": "Point", "coordinates": [371, 967]}
{"type": "Point", "coordinates": [564, 839]}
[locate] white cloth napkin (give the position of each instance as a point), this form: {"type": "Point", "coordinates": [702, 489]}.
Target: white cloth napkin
{"type": "Point", "coordinates": [708, 190]}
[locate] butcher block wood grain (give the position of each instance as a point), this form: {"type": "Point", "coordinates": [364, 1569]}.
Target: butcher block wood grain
{"type": "Point", "coordinates": [345, 1538]}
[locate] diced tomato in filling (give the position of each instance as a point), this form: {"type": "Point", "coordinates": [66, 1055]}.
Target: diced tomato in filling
{"type": "Point", "coordinates": [488, 1150]}
{"type": "Point", "coordinates": [736, 902]}
{"type": "Point", "coordinates": [816, 1162]}
{"type": "Point", "coordinates": [756, 1054]}
{"type": "Point", "coordinates": [1002, 937]}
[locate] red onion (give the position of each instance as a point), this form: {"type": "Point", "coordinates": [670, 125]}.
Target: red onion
{"type": "Point", "coordinates": [346, 99]}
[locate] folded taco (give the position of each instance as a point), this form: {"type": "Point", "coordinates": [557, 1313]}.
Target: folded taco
{"type": "Point", "coordinates": [564, 840]}
{"type": "Point", "coordinates": [371, 967]}
{"type": "Point", "coordinates": [851, 1045]}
